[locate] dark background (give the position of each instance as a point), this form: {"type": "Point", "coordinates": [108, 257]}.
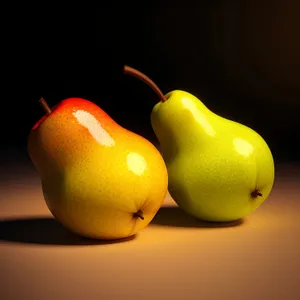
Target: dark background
{"type": "Point", "coordinates": [241, 58]}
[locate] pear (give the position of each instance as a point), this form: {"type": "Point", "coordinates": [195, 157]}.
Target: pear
{"type": "Point", "coordinates": [218, 170]}
{"type": "Point", "coordinates": [98, 179]}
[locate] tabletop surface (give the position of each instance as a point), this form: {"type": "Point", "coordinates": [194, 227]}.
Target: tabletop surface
{"type": "Point", "coordinates": [175, 257]}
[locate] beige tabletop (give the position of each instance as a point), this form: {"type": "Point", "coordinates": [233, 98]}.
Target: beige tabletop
{"type": "Point", "coordinates": [175, 257]}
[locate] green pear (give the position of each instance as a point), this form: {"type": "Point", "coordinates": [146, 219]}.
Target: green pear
{"type": "Point", "coordinates": [218, 170]}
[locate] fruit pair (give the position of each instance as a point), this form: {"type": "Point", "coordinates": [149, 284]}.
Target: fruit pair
{"type": "Point", "coordinates": [103, 181]}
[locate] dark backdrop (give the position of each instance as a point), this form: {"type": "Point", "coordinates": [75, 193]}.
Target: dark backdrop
{"type": "Point", "coordinates": [240, 57]}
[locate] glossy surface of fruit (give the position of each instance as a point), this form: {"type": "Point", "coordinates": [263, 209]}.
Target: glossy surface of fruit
{"type": "Point", "coordinates": [95, 174]}
{"type": "Point", "coordinates": [217, 168]}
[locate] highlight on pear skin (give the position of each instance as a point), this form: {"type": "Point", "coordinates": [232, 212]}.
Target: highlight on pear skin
{"type": "Point", "coordinates": [103, 181]}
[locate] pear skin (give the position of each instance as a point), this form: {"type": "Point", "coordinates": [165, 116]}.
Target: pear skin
{"type": "Point", "coordinates": [98, 179]}
{"type": "Point", "coordinates": [218, 170]}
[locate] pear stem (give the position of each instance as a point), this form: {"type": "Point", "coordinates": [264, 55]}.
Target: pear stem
{"type": "Point", "coordinates": [139, 75]}
{"type": "Point", "coordinates": [139, 214]}
{"type": "Point", "coordinates": [45, 106]}
{"type": "Point", "coordinates": [256, 193]}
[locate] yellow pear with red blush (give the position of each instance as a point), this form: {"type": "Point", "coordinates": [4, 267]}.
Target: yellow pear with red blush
{"type": "Point", "coordinates": [98, 179]}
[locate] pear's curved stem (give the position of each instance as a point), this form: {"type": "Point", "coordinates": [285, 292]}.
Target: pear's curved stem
{"type": "Point", "coordinates": [45, 106]}
{"type": "Point", "coordinates": [139, 75]}
{"type": "Point", "coordinates": [139, 214]}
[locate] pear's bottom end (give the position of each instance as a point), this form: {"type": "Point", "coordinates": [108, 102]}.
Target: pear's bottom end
{"type": "Point", "coordinates": [107, 239]}
{"type": "Point", "coordinates": [216, 220]}
{"type": "Point", "coordinates": [88, 236]}
{"type": "Point", "coordinates": [221, 223]}
{"type": "Point", "coordinates": [220, 216]}
{"type": "Point", "coordinates": [99, 239]}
